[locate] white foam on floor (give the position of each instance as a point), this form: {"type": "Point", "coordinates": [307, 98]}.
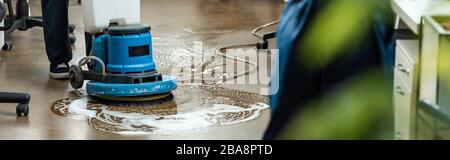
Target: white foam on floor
{"type": "Point", "coordinates": [197, 119]}
{"type": "Point", "coordinates": [77, 109]}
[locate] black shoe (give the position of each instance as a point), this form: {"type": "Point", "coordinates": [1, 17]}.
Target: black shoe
{"type": "Point", "coordinates": [59, 71]}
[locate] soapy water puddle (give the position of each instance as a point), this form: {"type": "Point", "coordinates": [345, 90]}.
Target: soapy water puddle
{"type": "Point", "coordinates": [190, 109]}
{"type": "Point", "coordinates": [171, 53]}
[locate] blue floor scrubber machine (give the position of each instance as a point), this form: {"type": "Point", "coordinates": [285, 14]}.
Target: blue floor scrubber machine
{"type": "Point", "coordinates": [121, 66]}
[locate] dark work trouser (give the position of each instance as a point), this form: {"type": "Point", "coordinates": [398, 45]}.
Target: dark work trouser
{"type": "Point", "coordinates": [56, 33]}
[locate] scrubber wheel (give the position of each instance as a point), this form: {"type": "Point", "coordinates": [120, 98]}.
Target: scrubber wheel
{"type": "Point", "coordinates": [76, 77]}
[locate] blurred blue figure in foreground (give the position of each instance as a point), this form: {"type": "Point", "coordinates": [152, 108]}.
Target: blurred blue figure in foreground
{"type": "Point", "coordinates": [301, 85]}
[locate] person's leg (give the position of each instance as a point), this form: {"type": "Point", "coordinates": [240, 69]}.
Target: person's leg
{"type": "Point", "coordinates": [56, 34]}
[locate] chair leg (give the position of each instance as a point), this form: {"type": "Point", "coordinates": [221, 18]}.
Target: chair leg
{"type": "Point", "coordinates": [33, 22]}
{"type": "Point", "coordinates": [22, 99]}
{"type": "Point", "coordinates": [6, 97]}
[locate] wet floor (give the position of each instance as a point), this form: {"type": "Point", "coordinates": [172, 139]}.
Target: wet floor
{"type": "Point", "coordinates": [192, 112]}
{"type": "Point", "coordinates": [189, 109]}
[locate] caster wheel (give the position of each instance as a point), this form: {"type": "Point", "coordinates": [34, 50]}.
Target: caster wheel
{"type": "Point", "coordinates": [71, 28]}
{"type": "Point", "coordinates": [7, 46]}
{"type": "Point", "coordinates": [72, 39]}
{"type": "Point", "coordinates": [262, 45]}
{"type": "Point", "coordinates": [76, 77]}
{"type": "Point", "coordinates": [22, 109]}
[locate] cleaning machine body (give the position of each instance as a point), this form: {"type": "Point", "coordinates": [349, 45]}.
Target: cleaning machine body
{"type": "Point", "coordinates": [121, 65]}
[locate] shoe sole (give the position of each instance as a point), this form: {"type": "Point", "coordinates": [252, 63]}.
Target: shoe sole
{"type": "Point", "coordinates": [59, 75]}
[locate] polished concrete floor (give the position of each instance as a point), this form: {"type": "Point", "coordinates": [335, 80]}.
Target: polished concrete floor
{"type": "Point", "coordinates": [216, 22]}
